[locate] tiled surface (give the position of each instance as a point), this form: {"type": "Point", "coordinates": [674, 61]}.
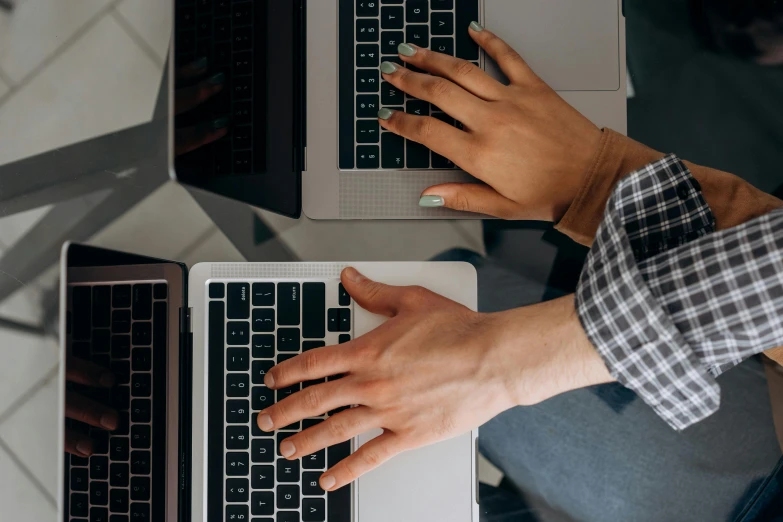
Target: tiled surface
{"type": "Point", "coordinates": [151, 19]}
{"type": "Point", "coordinates": [3, 87]}
{"type": "Point", "coordinates": [19, 497]}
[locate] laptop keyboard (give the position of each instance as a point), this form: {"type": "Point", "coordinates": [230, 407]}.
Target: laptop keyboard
{"type": "Point", "coordinates": [370, 31]}
{"type": "Point", "coordinates": [253, 326]}
{"type": "Point", "coordinates": [122, 327]}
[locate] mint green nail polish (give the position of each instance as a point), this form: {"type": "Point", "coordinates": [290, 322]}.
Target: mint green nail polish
{"type": "Point", "coordinates": [385, 114]}
{"type": "Point", "coordinates": [217, 79]}
{"type": "Point", "coordinates": [389, 68]}
{"type": "Point", "coordinates": [220, 123]}
{"type": "Point", "coordinates": [476, 27]}
{"type": "Point", "coordinates": [406, 50]}
{"type": "Point", "coordinates": [431, 201]}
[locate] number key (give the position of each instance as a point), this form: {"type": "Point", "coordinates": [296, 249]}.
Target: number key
{"type": "Point", "coordinates": [367, 106]}
{"type": "Point", "coordinates": [367, 7]}
{"type": "Point", "coordinates": [368, 157]}
{"type": "Point", "coordinates": [367, 131]}
{"type": "Point", "coordinates": [367, 80]}
{"type": "Point", "coordinates": [367, 31]}
{"type": "Point", "coordinates": [368, 55]}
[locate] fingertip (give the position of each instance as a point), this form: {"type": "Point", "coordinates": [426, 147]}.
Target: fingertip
{"type": "Point", "coordinates": [106, 380]}
{"type": "Point", "coordinates": [328, 482]}
{"type": "Point", "coordinates": [353, 275]}
{"type": "Point", "coordinates": [84, 447]}
{"type": "Point", "coordinates": [269, 380]}
{"type": "Point", "coordinates": [264, 422]}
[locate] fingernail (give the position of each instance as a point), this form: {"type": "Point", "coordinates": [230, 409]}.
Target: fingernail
{"type": "Point", "coordinates": [287, 448]}
{"type": "Point", "coordinates": [109, 421]}
{"type": "Point", "coordinates": [327, 482]}
{"type": "Point", "coordinates": [389, 67]}
{"type": "Point", "coordinates": [217, 79]}
{"type": "Point", "coordinates": [265, 422]}
{"type": "Point", "coordinates": [406, 50]}
{"type": "Point", "coordinates": [220, 123]}
{"type": "Point", "coordinates": [385, 114]}
{"type": "Point", "coordinates": [353, 275]}
{"type": "Point", "coordinates": [476, 27]}
{"type": "Point", "coordinates": [431, 201]}
{"type": "Point", "coordinates": [269, 380]}
{"type": "Point", "coordinates": [106, 380]}
{"type": "Point", "coordinates": [201, 63]}
{"type": "Point", "coordinates": [84, 447]}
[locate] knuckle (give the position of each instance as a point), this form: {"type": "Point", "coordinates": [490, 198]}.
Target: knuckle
{"type": "Point", "coordinates": [310, 362]}
{"type": "Point", "coordinates": [424, 128]}
{"type": "Point", "coordinates": [461, 202]}
{"type": "Point", "coordinates": [437, 88]}
{"type": "Point", "coordinates": [463, 68]}
{"type": "Point", "coordinates": [337, 428]}
{"type": "Point", "coordinates": [313, 399]}
{"type": "Point", "coordinates": [372, 457]}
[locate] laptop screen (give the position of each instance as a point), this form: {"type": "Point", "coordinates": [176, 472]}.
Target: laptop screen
{"type": "Point", "coordinates": [237, 100]}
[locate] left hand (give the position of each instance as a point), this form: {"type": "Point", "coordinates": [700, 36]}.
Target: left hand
{"type": "Point", "coordinates": [433, 371]}
{"type": "Point", "coordinates": [187, 139]}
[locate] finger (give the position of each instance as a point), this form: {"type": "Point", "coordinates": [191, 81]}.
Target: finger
{"type": "Point", "coordinates": [311, 366]}
{"type": "Point", "coordinates": [77, 443]}
{"type": "Point", "coordinates": [472, 197]}
{"type": "Point", "coordinates": [85, 410]}
{"type": "Point", "coordinates": [313, 401]}
{"type": "Point", "coordinates": [368, 457]}
{"type": "Point", "coordinates": [438, 136]}
{"type": "Point", "coordinates": [191, 138]}
{"type": "Point", "coordinates": [189, 97]}
{"type": "Point", "coordinates": [192, 70]}
{"type": "Point", "coordinates": [373, 296]}
{"type": "Point", "coordinates": [88, 373]}
{"type": "Point", "coordinates": [336, 429]}
{"type": "Point", "coordinates": [443, 93]}
{"type": "Point", "coordinates": [510, 62]}
{"type": "Point", "coordinates": [461, 72]}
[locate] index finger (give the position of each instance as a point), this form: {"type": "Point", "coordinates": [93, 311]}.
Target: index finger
{"type": "Point", "coordinates": [312, 365]}
{"type": "Point", "coordinates": [508, 59]}
{"type": "Point", "coordinates": [88, 373]}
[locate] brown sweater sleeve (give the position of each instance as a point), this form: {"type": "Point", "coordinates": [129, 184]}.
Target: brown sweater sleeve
{"type": "Point", "coordinates": [732, 200]}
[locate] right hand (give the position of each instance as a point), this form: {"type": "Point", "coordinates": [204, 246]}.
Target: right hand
{"type": "Point", "coordinates": [530, 147]}
{"type": "Point", "coordinates": [88, 411]}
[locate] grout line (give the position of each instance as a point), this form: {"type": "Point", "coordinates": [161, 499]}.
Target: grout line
{"type": "Point", "coordinates": [19, 402]}
{"type": "Point", "coordinates": [136, 37]}
{"type": "Point", "coordinates": [26, 472]}
{"type": "Point", "coordinates": [199, 241]}
{"type": "Point", "coordinates": [6, 79]}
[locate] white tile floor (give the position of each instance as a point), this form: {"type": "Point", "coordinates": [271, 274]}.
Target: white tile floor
{"type": "Point", "coordinates": [93, 67]}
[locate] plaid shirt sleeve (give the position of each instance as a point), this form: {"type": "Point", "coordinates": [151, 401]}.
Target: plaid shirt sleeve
{"type": "Point", "coordinates": [668, 302]}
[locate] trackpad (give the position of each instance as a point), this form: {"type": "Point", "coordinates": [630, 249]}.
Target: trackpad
{"type": "Point", "coordinates": [572, 44]}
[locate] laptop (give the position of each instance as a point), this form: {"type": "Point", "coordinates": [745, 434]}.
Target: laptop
{"type": "Point", "coordinates": [303, 90]}
{"type": "Point", "coordinates": [189, 352]}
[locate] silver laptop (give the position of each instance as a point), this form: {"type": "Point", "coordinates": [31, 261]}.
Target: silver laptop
{"type": "Point", "coordinates": [303, 89]}
{"type": "Point", "coordinates": [189, 352]}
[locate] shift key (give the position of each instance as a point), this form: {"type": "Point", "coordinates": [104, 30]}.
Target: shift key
{"type": "Point", "coordinates": [288, 297]}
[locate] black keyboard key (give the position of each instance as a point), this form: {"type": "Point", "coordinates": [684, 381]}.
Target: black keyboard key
{"type": "Point", "coordinates": [467, 11]}
{"type": "Point", "coordinates": [119, 475]}
{"type": "Point", "coordinates": [237, 411]}
{"type": "Point", "coordinates": [262, 503]}
{"type": "Point", "coordinates": [118, 501]}
{"type": "Point", "coordinates": [140, 410]}
{"type": "Point", "coordinates": [100, 441]}
{"type": "Point", "coordinates": [417, 11]}
{"type": "Point", "coordinates": [442, 5]}
{"type": "Point", "coordinates": [160, 291]}
{"type": "Point", "coordinates": [367, 31]}
{"type": "Point", "coordinates": [333, 319]}
{"type": "Point", "coordinates": [313, 510]}
{"type": "Point", "coordinates": [123, 423]}
{"type": "Point", "coordinates": [241, 114]}
{"type": "Point", "coordinates": [99, 493]}
{"type": "Point", "coordinates": [386, 2]}
{"type": "Point", "coordinates": [121, 296]}
{"type": "Point", "coordinates": [368, 157]}
{"type": "Point", "coordinates": [263, 346]}
{"type": "Point", "coordinates": [243, 13]}
{"type": "Point", "coordinates": [121, 321]}
{"type": "Point", "coordinates": [368, 105]}
{"type": "Point", "coordinates": [99, 514]}
{"type": "Point", "coordinates": [263, 397]}
{"type": "Point", "coordinates": [345, 320]}
{"type": "Point", "coordinates": [140, 436]}
{"type": "Point", "coordinates": [141, 385]}
{"type": "Point", "coordinates": [368, 55]}
{"type": "Point", "coordinates": [442, 24]}
{"type": "Point", "coordinates": [120, 396]}
{"type": "Point", "coordinates": [242, 39]}
{"type": "Point", "coordinates": [262, 451]}
{"type": "Point", "coordinates": [79, 461]}
{"type": "Point", "coordinates": [217, 290]}
{"type": "Point", "coordinates": [418, 34]}
{"type": "Point", "coordinates": [418, 107]}
{"type": "Point", "coordinates": [443, 45]}
{"type": "Point", "coordinates": [237, 385]}
{"type": "Point", "coordinates": [287, 471]}
{"type": "Point", "coordinates": [237, 490]}
{"type": "Point", "coordinates": [315, 461]}
{"type": "Point", "coordinates": [237, 464]}
{"type": "Point", "coordinates": [238, 301]}
{"type": "Point", "coordinates": [440, 162]}
{"type": "Point", "coordinates": [140, 488]}
{"type": "Point", "coordinates": [242, 88]}
{"type": "Point", "coordinates": [343, 297]}
{"type": "Point", "coordinates": [344, 338]}
{"type": "Point", "coordinates": [120, 346]}
{"type": "Point", "coordinates": [142, 357]}
{"type": "Point", "coordinates": [101, 341]}
{"type": "Point", "coordinates": [287, 516]}
{"type": "Point", "coordinates": [311, 345]}
{"type": "Point", "coordinates": [139, 512]}
{"type": "Point", "coordinates": [287, 496]}
{"type": "Point", "coordinates": [242, 137]}
{"type": "Point", "coordinates": [237, 333]}
{"type": "Point", "coordinates": [260, 369]}
{"type": "Point", "coordinates": [81, 350]}
{"type": "Point", "coordinates": [288, 339]}
{"type": "Point", "coordinates": [236, 513]}
{"type": "Point", "coordinates": [237, 437]}
{"type": "Point", "coordinates": [367, 131]}
{"type": "Point", "coordinates": [142, 302]}
{"type": "Point", "coordinates": [392, 18]}
{"type": "Point", "coordinates": [242, 162]}
{"type": "Point", "coordinates": [101, 306]}
{"type": "Point", "coordinates": [140, 462]}
{"type": "Point", "coordinates": [263, 319]}
{"type": "Point", "coordinates": [262, 477]}
{"type": "Point", "coordinates": [366, 7]}
{"type": "Point", "coordinates": [81, 297]}
{"type": "Point", "coordinates": [392, 152]}
{"type": "Point", "coordinates": [390, 40]}
{"type": "Point", "coordinates": [391, 95]}
{"type": "Point", "coordinates": [79, 504]}
{"type": "Point", "coordinates": [310, 485]}
{"type": "Point", "coordinates": [222, 7]}
{"type": "Point", "coordinates": [346, 45]}
{"type": "Point", "coordinates": [367, 80]}
{"type": "Point", "coordinates": [284, 393]}
{"type": "Point", "coordinates": [418, 156]}
{"type": "Point", "coordinates": [288, 297]}
{"type": "Point", "coordinates": [79, 479]}
{"type": "Point", "coordinates": [238, 359]}
{"type": "Point", "coordinates": [102, 360]}
{"type": "Point", "coordinates": [314, 307]}
{"type": "Point", "coordinates": [336, 453]}
{"type": "Point", "coordinates": [99, 468]}
{"type": "Point", "coordinates": [118, 448]}
{"type": "Point", "coordinates": [285, 356]}
{"type": "Point", "coordinates": [263, 294]}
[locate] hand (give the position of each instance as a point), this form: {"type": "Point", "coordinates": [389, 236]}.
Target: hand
{"type": "Point", "coordinates": [85, 410]}
{"type": "Point", "coordinates": [433, 371]}
{"type": "Point", "coordinates": [523, 140]}
{"type": "Point", "coordinates": [187, 139]}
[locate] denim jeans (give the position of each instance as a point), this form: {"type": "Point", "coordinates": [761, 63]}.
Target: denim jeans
{"type": "Point", "coordinates": [600, 454]}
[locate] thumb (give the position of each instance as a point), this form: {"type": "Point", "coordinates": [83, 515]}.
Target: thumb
{"type": "Point", "coordinates": [373, 296]}
{"type": "Point", "coordinates": [472, 197]}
